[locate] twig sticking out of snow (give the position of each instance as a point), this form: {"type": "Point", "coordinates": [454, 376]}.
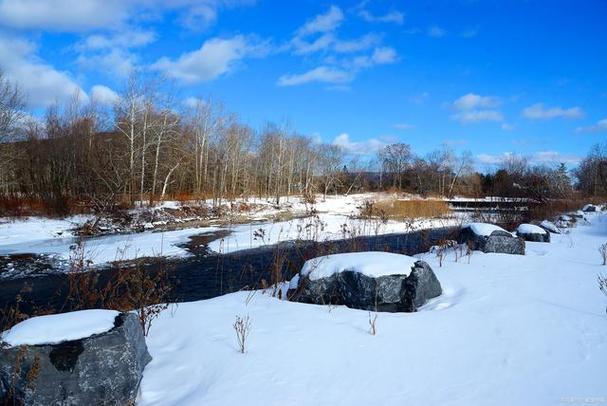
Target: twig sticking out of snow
{"type": "Point", "coordinates": [372, 323]}
{"type": "Point", "coordinates": [603, 252]}
{"type": "Point", "coordinates": [603, 285]}
{"type": "Point", "coordinates": [242, 326]}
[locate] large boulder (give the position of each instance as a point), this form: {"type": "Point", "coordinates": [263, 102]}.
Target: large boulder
{"type": "Point", "coordinates": [89, 357]}
{"type": "Point", "coordinates": [490, 238]}
{"type": "Point", "coordinates": [590, 208]}
{"type": "Point", "coordinates": [531, 232]}
{"type": "Point", "coordinates": [550, 227]}
{"type": "Point", "coordinates": [376, 281]}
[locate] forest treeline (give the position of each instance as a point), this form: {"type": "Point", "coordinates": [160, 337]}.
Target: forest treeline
{"type": "Point", "coordinates": [146, 147]}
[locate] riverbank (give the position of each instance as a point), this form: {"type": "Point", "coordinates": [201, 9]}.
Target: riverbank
{"type": "Point", "coordinates": [508, 330]}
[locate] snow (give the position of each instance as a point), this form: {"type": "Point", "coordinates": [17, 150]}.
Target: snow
{"type": "Point", "coordinates": [589, 207]}
{"type": "Point", "coordinates": [508, 330]}
{"type": "Point", "coordinates": [484, 229]}
{"type": "Point", "coordinates": [373, 264]}
{"type": "Point", "coordinates": [530, 229]}
{"type": "Point", "coordinates": [107, 248]}
{"type": "Point", "coordinates": [334, 219]}
{"type": "Point", "coordinates": [56, 328]}
{"type": "Point", "coordinates": [35, 229]}
{"type": "Point", "coordinates": [322, 227]}
{"type": "Point", "coordinates": [550, 226]}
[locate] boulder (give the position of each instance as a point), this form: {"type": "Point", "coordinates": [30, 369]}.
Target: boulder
{"type": "Point", "coordinates": [490, 238]}
{"type": "Point", "coordinates": [590, 208]}
{"type": "Point", "coordinates": [375, 281]}
{"type": "Point", "coordinates": [101, 369]}
{"type": "Point", "coordinates": [550, 227]}
{"type": "Point", "coordinates": [531, 232]}
{"type": "Point", "coordinates": [578, 215]}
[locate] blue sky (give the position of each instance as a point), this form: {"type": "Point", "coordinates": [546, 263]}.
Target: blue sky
{"type": "Point", "coordinates": [492, 77]}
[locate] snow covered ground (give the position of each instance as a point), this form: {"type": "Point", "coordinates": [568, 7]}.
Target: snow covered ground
{"type": "Point", "coordinates": [332, 221]}
{"type": "Point", "coordinates": [508, 330]}
{"type": "Point", "coordinates": [36, 229]}
{"type": "Point", "coordinates": [322, 227]}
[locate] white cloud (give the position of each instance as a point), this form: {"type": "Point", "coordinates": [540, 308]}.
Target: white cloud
{"type": "Point", "coordinates": [473, 108]}
{"type": "Point", "coordinates": [87, 15]}
{"type": "Point", "coordinates": [117, 62]}
{"type": "Point", "coordinates": [359, 44]}
{"type": "Point", "coordinates": [122, 39]}
{"type": "Point", "coordinates": [538, 111]}
{"type": "Point", "coordinates": [404, 126]}
{"type": "Point", "coordinates": [383, 55]}
{"type": "Point", "coordinates": [193, 102]}
{"type": "Point", "coordinates": [436, 31]}
{"type": "Point", "coordinates": [111, 53]}
{"type": "Point", "coordinates": [340, 60]}
{"type": "Point", "coordinates": [600, 126]}
{"type": "Point", "coordinates": [216, 57]}
{"type": "Point", "coordinates": [104, 95]}
{"type": "Point", "coordinates": [469, 33]}
{"type": "Point", "coordinates": [321, 43]}
{"type": "Point", "coordinates": [323, 74]}
{"type": "Point", "coordinates": [507, 127]}
{"type": "Point", "coordinates": [536, 158]}
{"type": "Point", "coordinates": [326, 22]}
{"type": "Point", "coordinates": [394, 16]}
{"type": "Point", "coordinates": [553, 157]}
{"type": "Point", "coordinates": [380, 56]}
{"type": "Point", "coordinates": [420, 98]}
{"type": "Point", "coordinates": [329, 42]}
{"type": "Point", "coordinates": [473, 101]}
{"type": "Point", "coordinates": [368, 147]}
{"type": "Point", "coordinates": [339, 75]}
{"type": "Point", "coordinates": [63, 15]}
{"type": "Point", "coordinates": [475, 116]}
{"type": "Point", "coordinates": [41, 83]}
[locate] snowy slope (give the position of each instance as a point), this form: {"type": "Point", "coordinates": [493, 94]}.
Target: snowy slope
{"type": "Point", "coordinates": [508, 330]}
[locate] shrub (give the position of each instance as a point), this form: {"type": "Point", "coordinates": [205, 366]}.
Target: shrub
{"type": "Point", "coordinates": [131, 286]}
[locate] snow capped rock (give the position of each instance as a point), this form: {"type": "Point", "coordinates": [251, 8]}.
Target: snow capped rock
{"type": "Point", "coordinates": [550, 227]}
{"type": "Point", "coordinates": [484, 229]}
{"type": "Point", "coordinates": [373, 264]}
{"type": "Point", "coordinates": [377, 281]}
{"type": "Point", "coordinates": [56, 328]}
{"type": "Point", "coordinates": [531, 232]}
{"type": "Point", "coordinates": [490, 238]}
{"type": "Point", "coordinates": [590, 208]}
{"type": "Point", "coordinates": [94, 357]}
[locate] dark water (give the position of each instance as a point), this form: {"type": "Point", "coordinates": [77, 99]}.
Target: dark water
{"type": "Point", "coordinates": [207, 275]}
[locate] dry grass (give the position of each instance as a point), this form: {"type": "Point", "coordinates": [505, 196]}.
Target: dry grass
{"type": "Point", "coordinates": [407, 209]}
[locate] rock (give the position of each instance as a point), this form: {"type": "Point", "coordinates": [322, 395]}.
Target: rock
{"type": "Point", "coordinates": [550, 227]}
{"type": "Point", "coordinates": [531, 232]}
{"type": "Point", "coordinates": [565, 221]}
{"type": "Point", "coordinates": [400, 291]}
{"type": "Point", "coordinates": [590, 208]}
{"type": "Point", "coordinates": [489, 238]}
{"type": "Point", "coordinates": [102, 369]}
